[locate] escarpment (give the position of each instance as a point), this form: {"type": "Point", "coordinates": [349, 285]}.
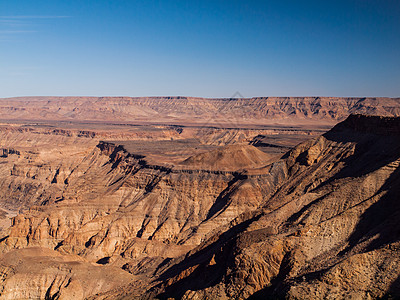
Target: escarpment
{"type": "Point", "coordinates": [233, 112]}
{"type": "Point", "coordinates": [330, 230]}
{"type": "Point", "coordinates": [114, 208]}
{"type": "Point", "coordinates": [118, 197]}
{"type": "Point", "coordinates": [318, 222]}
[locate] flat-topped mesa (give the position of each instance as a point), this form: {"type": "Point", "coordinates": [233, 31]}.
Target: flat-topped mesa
{"type": "Point", "coordinates": [232, 112]}
{"type": "Point", "coordinates": [370, 124]}
{"type": "Point", "coordinates": [232, 157]}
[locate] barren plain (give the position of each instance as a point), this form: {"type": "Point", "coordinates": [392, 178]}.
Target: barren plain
{"type": "Point", "coordinates": [193, 198]}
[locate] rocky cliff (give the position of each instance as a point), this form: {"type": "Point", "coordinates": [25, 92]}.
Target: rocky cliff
{"type": "Point", "coordinates": [111, 207]}
{"type": "Point", "coordinates": [232, 112]}
{"type": "Point", "coordinates": [331, 230]}
{"type": "Point", "coordinates": [321, 222]}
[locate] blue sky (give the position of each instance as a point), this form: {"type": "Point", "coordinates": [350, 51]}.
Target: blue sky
{"type": "Point", "coordinates": [200, 48]}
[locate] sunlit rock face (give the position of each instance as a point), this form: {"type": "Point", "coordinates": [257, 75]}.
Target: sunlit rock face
{"type": "Point", "coordinates": [210, 213]}
{"type": "Point", "coordinates": [330, 230]}
{"type": "Point", "coordinates": [190, 110]}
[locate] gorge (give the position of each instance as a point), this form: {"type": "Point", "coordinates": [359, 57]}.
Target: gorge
{"type": "Point", "coordinates": [192, 198]}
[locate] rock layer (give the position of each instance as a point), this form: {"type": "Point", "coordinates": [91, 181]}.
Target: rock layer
{"type": "Point", "coordinates": [320, 222]}
{"type": "Point", "coordinates": [232, 112]}
{"type": "Point", "coordinates": [329, 232]}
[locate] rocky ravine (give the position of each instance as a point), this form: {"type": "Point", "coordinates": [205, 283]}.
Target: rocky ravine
{"type": "Point", "coordinates": [319, 223]}
{"type": "Point", "coordinates": [331, 230]}
{"type": "Point", "coordinates": [110, 208]}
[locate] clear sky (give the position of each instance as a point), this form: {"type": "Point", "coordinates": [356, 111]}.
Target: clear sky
{"type": "Point", "coordinates": [200, 48]}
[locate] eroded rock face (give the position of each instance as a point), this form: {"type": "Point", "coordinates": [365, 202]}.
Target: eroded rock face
{"type": "Point", "coordinates": [109, 206]}
{"type": "Point", "coordinates": [113, 208]}
{"type": "Point", "coordinates": [127, 199]}
{"type": "Point", "coordinates": [40, 273]}
{"type": "Point", "coordinates": [179, 110]}
{"type": "Point", "coordinates": [330, 231]}
{"type": "Point", "coordinates": [35, 166]}
{"type": "Point", "coordinates": [320, 222]}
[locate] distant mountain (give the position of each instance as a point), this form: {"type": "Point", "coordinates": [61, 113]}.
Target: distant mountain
{"type": "Point", "coordinates": [233, 112]}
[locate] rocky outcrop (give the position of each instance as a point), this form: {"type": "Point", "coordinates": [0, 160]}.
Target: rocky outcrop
{"type": "Point", "coordinates": [320, 222]}
{"type": "Point", "coordinates": [330, 231]}
{"type": "Point", "coordinates": [378, 125]}
{"type": "Point", "coordinates": [115, 208]}
{"type": "Point", "coordinates": [36, 166]}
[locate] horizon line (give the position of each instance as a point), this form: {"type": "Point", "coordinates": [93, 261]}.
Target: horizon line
{"type": "Point", "coordinates": [199, 97]}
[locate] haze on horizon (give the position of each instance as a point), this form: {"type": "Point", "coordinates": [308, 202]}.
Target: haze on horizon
{"type": "Point", "coordinates": [199, 48]}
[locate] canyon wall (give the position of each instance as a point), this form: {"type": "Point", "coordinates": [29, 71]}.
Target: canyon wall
{"type": "Point", "coordinates": [94, 220]}
{"type": "Point", "coordinates": [231, 112]}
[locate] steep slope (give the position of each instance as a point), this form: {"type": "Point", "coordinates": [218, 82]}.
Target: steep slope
{"type": "Point", "coordinates": [320, 222]}
{"type": "Point", "coordinates": [35, 165]}
{"type": "Point", "coordinates": [119, 197]}
{"type": "Point", "coordinates": [115, 209]}
{"type": "Point", "coordinates": [331, 230]}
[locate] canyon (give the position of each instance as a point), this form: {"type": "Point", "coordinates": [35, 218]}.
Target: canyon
{"type": "Point", "coordinates": [194, 198]}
